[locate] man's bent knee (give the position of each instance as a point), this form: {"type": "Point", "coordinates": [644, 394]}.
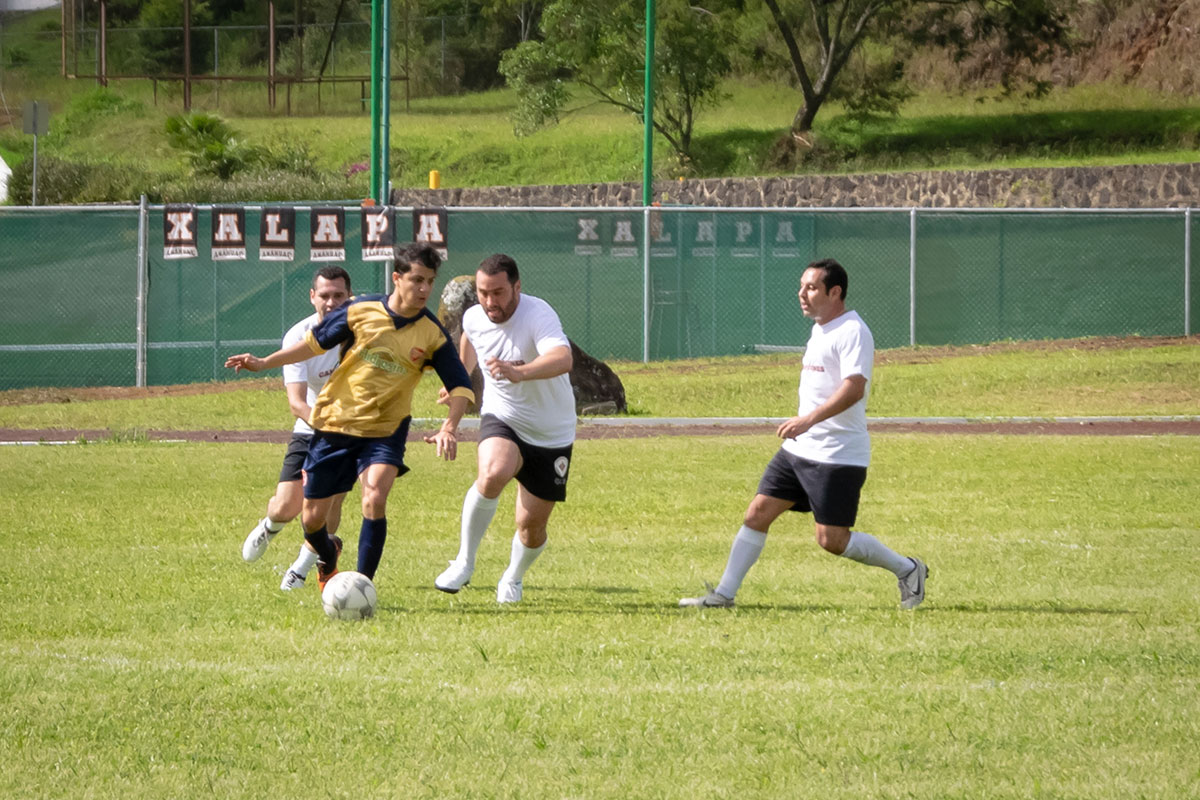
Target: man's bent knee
{"type": "Point", "coordinates": [833, 538]}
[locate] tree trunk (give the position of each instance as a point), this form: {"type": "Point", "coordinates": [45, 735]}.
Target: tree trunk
{"type": "Point", "coordinates": [802, 122]}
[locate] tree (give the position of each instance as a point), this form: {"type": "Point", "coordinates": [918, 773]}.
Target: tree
{"type": "Point", "coordinates": [1022, 32]}
{"type": "Point", "coordinates": [600, 44]}
{"type": "Point", "coordinates": [523, 12]}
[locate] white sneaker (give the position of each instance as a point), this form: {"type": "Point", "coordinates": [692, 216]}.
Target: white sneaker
{"type": "Point", "coordinates": [713, 599]}
{"type": "Point", "coordinates": [256, 543]}
{"type": "Point", "coordinates": [456, 576]}
{"type": "Point", "coordinates": [292, 580]}
{"type": "Point", "coordinates": [912, 585]}
{"type": "Point", "coordinates": [508, 591]}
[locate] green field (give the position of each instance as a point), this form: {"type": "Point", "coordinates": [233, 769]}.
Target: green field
{"type": "Point", "coordinates": [1072, 378]}
{"type": "Point", "coordinates": [1058, 654]}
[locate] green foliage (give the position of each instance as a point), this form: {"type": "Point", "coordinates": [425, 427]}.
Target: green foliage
{"type": "Point", "coordinates": [537, 75]}
{"type": "Point", "coordinates": [259, 185]}
{"type": "Point", "coordinates": [821, 39]}
{"type": "Point", "coordinates": [601, 46]}
{"type": "Point", "coordinates": [212, 146]}
{"type": "Point", "coordinates": [66, 181]}
{"type": "Point", "coordinates": [160, 39]}
{"type": "Point", "coordinates": [94, 107]}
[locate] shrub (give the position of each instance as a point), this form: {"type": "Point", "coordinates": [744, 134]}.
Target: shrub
{"type": "Point", "coordinates": [63, 182]}
{"type": "Point", "coordinates": [267, 186]}
{"type": "Point", "coordinates": [212, 147]}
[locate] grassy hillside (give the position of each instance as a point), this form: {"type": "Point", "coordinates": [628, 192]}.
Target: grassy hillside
{"type": "Point", "coordinates": [111, 144]}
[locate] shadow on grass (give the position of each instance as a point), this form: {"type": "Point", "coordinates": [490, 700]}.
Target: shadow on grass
{"type": "Point", "coordinates": [905, 143]}
{"type": "Point", "coordinates": [544, 603]}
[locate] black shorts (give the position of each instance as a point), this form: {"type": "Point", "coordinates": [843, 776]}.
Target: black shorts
{"type": "Point", "coordinates": [544, 470]}
{"type": "Point", "coordinates": [335, 460]}
{"type": "Point", "coordinates": [829, 491]}
{"type": "Point", "coordinates": [293, 461]}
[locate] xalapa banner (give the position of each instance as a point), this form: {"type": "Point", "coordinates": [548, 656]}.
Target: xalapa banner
{"type": "Point", "coordinates": [179, 232]}
{"type": "Point", "coordinates": [277, 235]}
{"type": "Point", "coordinates": [277, 232]}
{"type": "Point", "coordinates": [228, 233]}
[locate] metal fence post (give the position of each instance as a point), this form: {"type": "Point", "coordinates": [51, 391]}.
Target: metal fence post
{"type": "Point", "coordinates": [912, 277]}
{"type": "Point", "coordinates": [1187, 271]}
{"type": "Point", "coordinates": [645, 284]}
{"type": "Point", "coordinates": [143, 288]}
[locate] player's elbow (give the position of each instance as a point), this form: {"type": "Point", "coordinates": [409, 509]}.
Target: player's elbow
{"type": "Point", "coordinates": [856, 388]}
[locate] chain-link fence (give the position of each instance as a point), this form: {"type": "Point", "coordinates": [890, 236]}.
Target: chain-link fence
{"type": "Point", "coordinates": [94, 299]}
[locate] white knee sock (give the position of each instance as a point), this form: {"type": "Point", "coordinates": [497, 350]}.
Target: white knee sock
{"type": "Point", "coordinates": [747, 546]}
{"type": "Point", "coordinates": [866, 549]}
{"type": "Point", "coordinates": [477, 513]}
{"type": "Point", "coordinates": [522, 558]}
{"type": "Point", "coordinates": [304, 562]}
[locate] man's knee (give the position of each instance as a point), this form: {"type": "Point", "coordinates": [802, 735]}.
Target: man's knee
{"type": "Point", "coordinates": [760, 514]}
{"type": "Point", "coordinates": [833, 538]}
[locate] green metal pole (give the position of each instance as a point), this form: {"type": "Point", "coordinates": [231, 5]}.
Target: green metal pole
{"type": "Point", "coordinates": [648, 110]}
{"type": "Point", "coordinates": [376, 34]}
{"type": "Point", "coordinates": [385, 87]}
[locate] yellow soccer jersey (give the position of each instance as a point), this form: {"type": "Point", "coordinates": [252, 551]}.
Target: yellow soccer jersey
{"type": "Point", "coordinates": [383, 356]}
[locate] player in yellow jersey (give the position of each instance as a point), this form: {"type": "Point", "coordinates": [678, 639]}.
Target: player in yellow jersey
{"type": "Point", "coordinates": [361, 418]}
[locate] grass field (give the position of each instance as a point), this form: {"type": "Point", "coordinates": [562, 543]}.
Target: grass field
{"type": "Point", "coordinates": [1058, 654]}
{"type": "Point", "coordinates": [1068, 378]}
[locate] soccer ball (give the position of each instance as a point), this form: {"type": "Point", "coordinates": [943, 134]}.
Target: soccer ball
{"type": "Point", "coordinates": [349, 595]}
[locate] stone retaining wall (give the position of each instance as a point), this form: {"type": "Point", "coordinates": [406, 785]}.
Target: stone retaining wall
{"type": "Point", "coordinates": [1133, 186]}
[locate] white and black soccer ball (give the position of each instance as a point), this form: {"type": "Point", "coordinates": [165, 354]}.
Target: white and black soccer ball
{"type": "Point", "coordinates": [349, 595]}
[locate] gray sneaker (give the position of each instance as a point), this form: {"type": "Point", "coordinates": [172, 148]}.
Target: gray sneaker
{"type": "Point", "coordinates": [509, 591]}
{"type": "Point", "coordinates": [713, 599]}
{"type": "Point", "coordinates": [256, 543]}
{"type": "Point", "coordinates": [292, 580]}
{"type": "Point", "coordinates": [912, 585]}
{"type": "Point", "coordinates": [456, 576]}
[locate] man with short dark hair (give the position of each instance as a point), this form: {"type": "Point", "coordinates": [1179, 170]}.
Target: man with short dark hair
{"type": "Point", "coordinates": [822, 464]}
{"type": "Point", "coordinates": [526, 420]}
{"type": "Point", "coordinates": [362, 415]}
{"type": "Point", "coordinates": [303, 381]}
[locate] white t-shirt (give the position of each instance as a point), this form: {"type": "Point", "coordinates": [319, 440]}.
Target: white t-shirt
{"type": "Point", "coordinates": [313, 371]}
{"type": "Point", "coordinates": [836, 350]}
{"type": "Point", "coordinates": [542, 412]}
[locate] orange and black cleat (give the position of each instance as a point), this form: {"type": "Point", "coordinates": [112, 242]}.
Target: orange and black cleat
{"type": "Point", "coordinates": [327, 571]}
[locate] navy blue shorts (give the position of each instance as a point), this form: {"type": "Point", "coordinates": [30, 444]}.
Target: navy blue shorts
{"type": "Point", "coordinates": [543, 470]}
{"type": "Point", "coordinates": [335, 460]}
{"type": "Point", "coordinates": [293, 461]}
{"type": "Point", "coordinates": [829, 491]}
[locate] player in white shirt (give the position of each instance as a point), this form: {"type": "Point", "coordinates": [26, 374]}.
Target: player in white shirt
{"type": "Point", "coordinates": [526, 420]}
{"type": "Point", "coordinates": [822, 464]}
{"type": "Point", "coordinates": [303, 381]}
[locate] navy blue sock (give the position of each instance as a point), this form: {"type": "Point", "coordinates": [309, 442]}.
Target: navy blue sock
{"type": "Point", "coordinates": [370, 545]}
{"type": "Point", "coordinates": [320, 541]}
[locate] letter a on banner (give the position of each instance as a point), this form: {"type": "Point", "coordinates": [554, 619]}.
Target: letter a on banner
{"type": "Point", "coordinates": [378, 233]}
{"type": "Point", "coordinates": [277, 235]}
{"type": "Point", "coordinates": [228, 233]}
{"type": "Point", "coordinates": [179, 232]}
{"type": "Point", "coordinates": [432, 225]}
{"type": "Point", "coordinates": [328, 234]}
